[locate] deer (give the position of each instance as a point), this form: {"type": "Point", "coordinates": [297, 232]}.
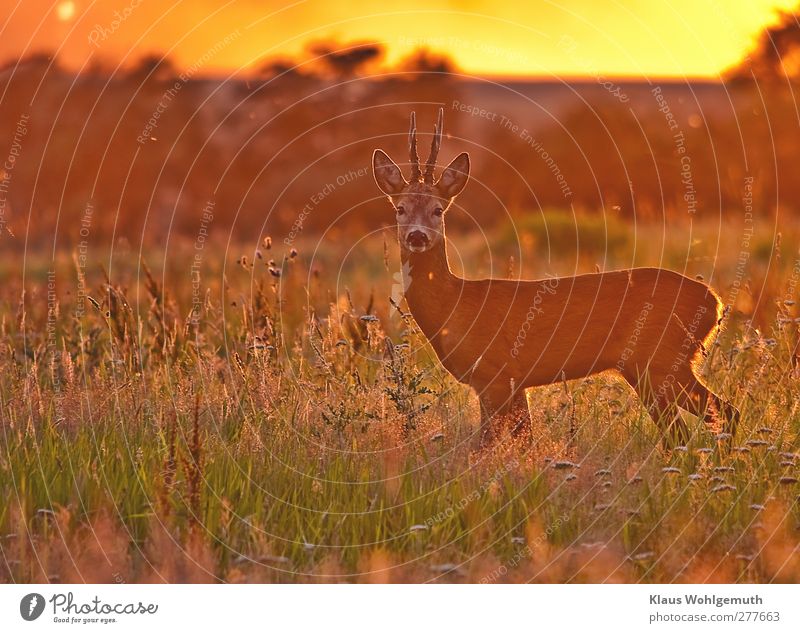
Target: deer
{"type": "Point", "coordinates": [652, 326]}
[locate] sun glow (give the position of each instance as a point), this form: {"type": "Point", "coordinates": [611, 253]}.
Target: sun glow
{"type": "Point", "coordinates": [65, 10]}
{"type": "Point", "coordinates": [545, 39]}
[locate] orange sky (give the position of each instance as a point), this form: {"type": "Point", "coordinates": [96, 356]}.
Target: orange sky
{"type": "Point", "coordinates": [537, 37]}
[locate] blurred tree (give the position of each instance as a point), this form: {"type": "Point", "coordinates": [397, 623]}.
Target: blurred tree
{"type": "Point", "coordinates": [279, 68]}
{"type": "Point", "coordinates": [39, 61]}
{"type": "Point", "coordinates": [153, 67]}
{"type": "Point", "coordinates": [345, 61]}
{"type": "Point", "coordinates": [423, 60]}
{"type": "Point", "coordinates": [775, 56]}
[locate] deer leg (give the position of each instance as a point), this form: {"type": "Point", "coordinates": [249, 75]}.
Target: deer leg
{"type": "Point", "coordinates": [704, 403]}
{"type": "Point", "coordinates": [660, 402]}
{"type": "Point", "coordinates": [674, 430]}
{"type": "Point", "coordinates": [486, 430]}
{"type": "Point", "coordinates": [519, 415]}
{"type": "Point", "coordinates": [732, 416]}
{"type": "Point", "coordinates": [499, 406]}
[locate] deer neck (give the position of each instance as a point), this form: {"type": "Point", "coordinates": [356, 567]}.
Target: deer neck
{"type": "Point", "coordinates": [431, 289]}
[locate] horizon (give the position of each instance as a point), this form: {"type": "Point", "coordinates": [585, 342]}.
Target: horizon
{"type": "Point", "coordinates": [482, 39]}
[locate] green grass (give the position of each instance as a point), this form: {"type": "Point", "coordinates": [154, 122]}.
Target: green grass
{"type": "Point", "coordinates": [278, 440]}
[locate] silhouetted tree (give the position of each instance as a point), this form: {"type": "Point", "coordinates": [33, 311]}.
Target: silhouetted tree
{"type": "Point", "coordinates": [153, 67]}
{"type": "Point", "coordinates": [279, 67]}
{"type": "Point", "coordinates": [35, 62]}
{"type": "Point", "coordinates": [345, 61]}
{"type": "Point", "coordinates": [423, 60]}
{"type": "Point", "coordinates": [776, 55]}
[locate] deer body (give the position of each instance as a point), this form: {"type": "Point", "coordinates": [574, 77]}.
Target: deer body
{"type": "Point", "coordinates": [502, 336]}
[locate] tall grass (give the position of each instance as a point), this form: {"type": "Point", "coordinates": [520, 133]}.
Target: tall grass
{"type": "Point", "coordinates": [301, 430]}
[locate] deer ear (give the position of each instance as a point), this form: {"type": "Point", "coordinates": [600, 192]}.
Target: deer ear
{"type": "Point", "coordinates": [387, 174]}
{"type": "Point", "coordinates": [454, 177]}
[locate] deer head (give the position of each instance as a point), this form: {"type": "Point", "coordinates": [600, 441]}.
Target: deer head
{"type": "Point", "coordinates": [420, 202]}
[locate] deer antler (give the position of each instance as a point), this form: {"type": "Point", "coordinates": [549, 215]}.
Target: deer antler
{"type": "Point", "coordinates": [436, 143]}
{"type": "Point", "coordinates": [412, 148]}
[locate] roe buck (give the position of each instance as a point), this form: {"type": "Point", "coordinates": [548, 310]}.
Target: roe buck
{"type": "Point", "coordinates": [502, 336]}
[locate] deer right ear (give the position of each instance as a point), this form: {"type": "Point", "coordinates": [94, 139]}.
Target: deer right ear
{"type": "Point", "coordinates": [387, 174]}
{"type": "Point", "coordinates": [454, 177]}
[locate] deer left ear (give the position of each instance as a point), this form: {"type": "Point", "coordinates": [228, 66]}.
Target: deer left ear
{"type": "Point", "coordinates": [387, 174]}
{"type": "Point", "coordinates": [454, 177]}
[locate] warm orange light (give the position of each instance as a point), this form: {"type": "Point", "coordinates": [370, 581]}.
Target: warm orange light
{"type": "Point", "coordinates": [483, 37]}
{"type": "Point", "coordinates": [65, 10]}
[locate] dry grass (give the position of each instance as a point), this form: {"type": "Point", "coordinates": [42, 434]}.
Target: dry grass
{"type": "Point", "coordinates": [284, 438]}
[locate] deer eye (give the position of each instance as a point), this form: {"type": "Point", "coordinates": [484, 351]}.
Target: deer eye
{"type": "Point", "coordinates": [400, 210]}
{"type": "Point", "coordinates": [438, 212]}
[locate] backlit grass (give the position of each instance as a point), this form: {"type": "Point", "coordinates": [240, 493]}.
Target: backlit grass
{"type": "Point", "coordinates": [281, 436]}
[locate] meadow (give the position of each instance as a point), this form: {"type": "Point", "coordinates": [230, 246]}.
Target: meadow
{"type": "Point", "coordinates": [261, 412]}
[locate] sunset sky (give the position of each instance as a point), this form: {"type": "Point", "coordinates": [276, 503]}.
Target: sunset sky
{"type": "Point", "coordinates": [609, 37]}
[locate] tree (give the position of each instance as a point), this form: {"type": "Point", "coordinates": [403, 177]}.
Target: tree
{"type": "Point", "coordinates": [153, 67]}
{"type": "Point", "coordinates": [345, 61]}
{"type": "Point", "coordinates": [775, 56]}
{"type": "Point", "coordinates": [424, 61]}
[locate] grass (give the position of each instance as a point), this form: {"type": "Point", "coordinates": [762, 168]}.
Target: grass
{"type": "Point", "coordinates": [281, 437]}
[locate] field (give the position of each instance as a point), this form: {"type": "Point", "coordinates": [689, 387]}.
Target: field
{"type": "Point", "coordinates": [228, 414]}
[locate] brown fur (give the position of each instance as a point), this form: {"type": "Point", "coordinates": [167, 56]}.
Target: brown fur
{"type": "Point", "coordinates": [648, 324]}
{"type": "Point", "coordinates": [502, 336]}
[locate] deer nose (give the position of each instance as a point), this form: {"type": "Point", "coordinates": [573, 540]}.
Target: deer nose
{"type": "Point", "coordinates": [417, 239]}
